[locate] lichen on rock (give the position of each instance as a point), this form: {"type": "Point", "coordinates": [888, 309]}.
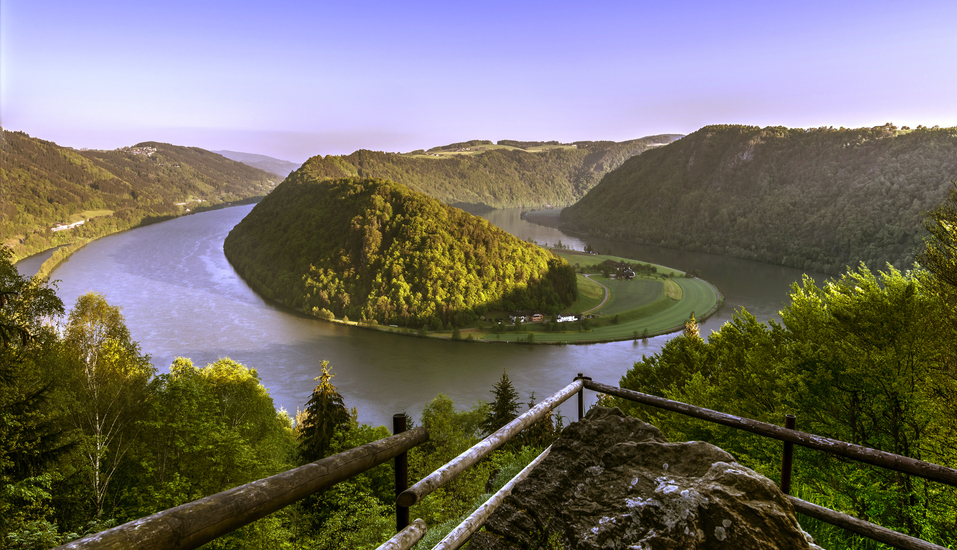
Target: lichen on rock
{"type": "Point", "coordinates": [612, 481]}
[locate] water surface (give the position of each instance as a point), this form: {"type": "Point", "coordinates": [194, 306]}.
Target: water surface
{"type": "Point", "coordinates": [181, 298]}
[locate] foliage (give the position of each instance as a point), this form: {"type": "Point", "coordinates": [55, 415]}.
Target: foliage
{"type": "Point", "coordinates": [45, 184]}
{"type": "Point", "coordinates": [108, 379]}
{"type": "Point", "coordinates": [371, 249]}
{"type": "Point", "coordinates": [817, 199]}
{"type": "Point", "coordinates": [33, 432]}
{"type": "Point", "coordinates": [325, 413]}
{"type": "Point", "coordinates": [940, 253]}
{"type": "Point", "coordinates": [504, 408]}
{"type": "Point", "coordinates": [873, 344]}
{"type": "Point", "coordinates": [497, 178]}
{"type": "Point", "coordinates": [451, 432]}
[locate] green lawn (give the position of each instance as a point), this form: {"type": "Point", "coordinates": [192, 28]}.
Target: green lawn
{"type": "Point", "coordinates": [640, 305]}
{"type": "Point", "coordinates": [587, 260]}
{"type": "Point", "coordinates": [89, 214]}
{"type": "Point", "coordinates": [629, 295]}
{"type": "Point", "coordinates": [590, 294]}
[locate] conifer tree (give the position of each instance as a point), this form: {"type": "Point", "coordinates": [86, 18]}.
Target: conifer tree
{"type": "Point", "coordinates": [325, 412]}
{"type": "Point", "coordinates": [541, 433]}
{"type": "Point", "coordinates": [504, 408]}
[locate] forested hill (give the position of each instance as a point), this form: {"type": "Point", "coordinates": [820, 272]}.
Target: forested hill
{"type": "Point", "coordinates": [370, 249]}
{"type": "Point", "coordinates": [496, 178]}
{"type": "Point", "coordinates": [816, 199]}
{"type": "Point", "coordinates": [44, 184]}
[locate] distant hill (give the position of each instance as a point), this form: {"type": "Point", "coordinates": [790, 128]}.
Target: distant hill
{"type": "Point", "coordinates": [370, 249]}
{"type": "Point", "coordinates": [816, 199]}
{"type": "Point", "coordinates": [44, 184]}
{"type": "Point", "coordinates": [276, 166]}
{"type": "Point", "coordinates": [493, 176]}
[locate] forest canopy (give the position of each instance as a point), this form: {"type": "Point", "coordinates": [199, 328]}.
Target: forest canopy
{"type": "Point", "coordinates": [374, 250]}
{"type": "Point", "coordinates": [496, 178]}
{"type": "Point", "coordinates": [820, 199]}
{"type": "Point", "coordinates": [44, 184]}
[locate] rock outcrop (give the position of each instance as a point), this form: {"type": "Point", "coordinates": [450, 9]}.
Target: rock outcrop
{"type": "Point", "coordinates": [612, 481]}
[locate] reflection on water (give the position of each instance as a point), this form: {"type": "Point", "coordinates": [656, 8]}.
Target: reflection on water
{"type": "Point", "coordinates": [181, 297]}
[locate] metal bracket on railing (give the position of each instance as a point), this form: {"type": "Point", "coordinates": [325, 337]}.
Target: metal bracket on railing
{"type": "Point", "coordinates": [581, 396]}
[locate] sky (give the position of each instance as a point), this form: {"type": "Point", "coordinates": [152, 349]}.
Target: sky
{"type": "Point", "coordinates": [293, 79]}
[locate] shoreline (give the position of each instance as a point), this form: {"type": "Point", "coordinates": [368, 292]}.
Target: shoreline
{"type": "Point", "coordinates": [62, 252]}
{"type": "Point", "coordinates": [511, 337]}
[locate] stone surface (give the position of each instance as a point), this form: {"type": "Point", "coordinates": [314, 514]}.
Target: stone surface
{"type": "Point", "coordinates": [612, 481]}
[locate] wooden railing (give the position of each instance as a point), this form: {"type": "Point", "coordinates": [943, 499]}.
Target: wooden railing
{"type": "Point", "coordinates": [196, 523]}
{"type": "Point", "coordinates": [791, 436]}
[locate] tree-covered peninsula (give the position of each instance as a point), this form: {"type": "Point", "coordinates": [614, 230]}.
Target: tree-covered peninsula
{"type": "Point", "coordinates": [494, 176]}
{"type": "Point", "coordinates": [819, 199]}
{"type": "Point", "coordinates": [373, 250]}
{"type": "Point", "coordinates": [52, 195]}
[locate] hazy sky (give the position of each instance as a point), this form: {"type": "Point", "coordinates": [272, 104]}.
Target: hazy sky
{"type": "Point", "coordinates": [294, 79]}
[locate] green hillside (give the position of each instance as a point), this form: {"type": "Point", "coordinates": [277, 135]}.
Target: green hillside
{"type": "Point", "coordinates": [370, 249]}
{"type": "Point", "coordinates": [493, 176]}
{"type": "Point", "coordinates": [817, 199]}
{"type": "Point", "coordinates": [43, 184]}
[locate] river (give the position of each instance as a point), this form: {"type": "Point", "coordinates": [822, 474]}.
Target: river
{"type": "Point", "coordinates": [181, 298]}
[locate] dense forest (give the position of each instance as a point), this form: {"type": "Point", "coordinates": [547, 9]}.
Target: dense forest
{"type": "Point", "coordinates": [373, 250]}
{"type": "Point", "coordinates": [497, 178]}
{"type": "Point", "coordinates": [867, 358]}
{"type": "Point", "coordinates": [43, 184]}
{"type": "Point", "coordinates": [820, 199]}
{"type": "Point", "coordinates": [92, 436]}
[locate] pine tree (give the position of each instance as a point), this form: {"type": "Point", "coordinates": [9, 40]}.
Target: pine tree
{"type": "Point", "coordinates": [325, 412]}
{"type": "Point", "coordinates": [505, 406]}
{"type": "Point", "coordinates": [542, 433]}
{"type": "Point", "coordinates": [691, 328]}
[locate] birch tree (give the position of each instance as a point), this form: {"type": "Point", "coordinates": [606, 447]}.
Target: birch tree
{"type": "Point", "coordinates": [110, 378]}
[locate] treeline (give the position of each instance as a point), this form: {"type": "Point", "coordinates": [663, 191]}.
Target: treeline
{"type": "Point", "coordinates": [372, 250]}
{"type": "Point", "coordinates": [45, 184]}
{"type": "Point", "coordinates": [868, 358]}
{"type": "Point", "coordinates": [820, 199]}
{"type": "Point", "coordinates": [525, 144]}
{"type": "Point", "coordinates": [461, 145]}
{"type": "Point", "coordinates": [498, 178]}
{"type": "Point", "coordinates": [92, 436]}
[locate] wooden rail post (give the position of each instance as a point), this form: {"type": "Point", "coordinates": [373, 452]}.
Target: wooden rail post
{"type": "Point", "coordinates": [401, 475]}
{"type": "Point", "coordinates": [787, 457]}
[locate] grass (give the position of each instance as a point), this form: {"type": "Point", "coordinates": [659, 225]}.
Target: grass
{"type": "Point", "coordinates": [649, 305]}
{"type": "Point", "coordinates": [652, 312]}
{"type": "Point", "coordinates": [631, 295]}
{"type": "Point", "coordinates": [586, 260]}
{"type": "Point", "coordinates": [673, 290]}
{"type": "Point", "coordinates": [88, 214]}
{"type": "Point", "coordinates": [590, 294]}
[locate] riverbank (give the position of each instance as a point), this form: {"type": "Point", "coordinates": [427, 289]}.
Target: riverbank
{"type": "Point", "coordinates": [548, 218]}
{"type": "Point", "coordinates": [63, 251]}
{"type": "Point", "coordinates": [658, 301]}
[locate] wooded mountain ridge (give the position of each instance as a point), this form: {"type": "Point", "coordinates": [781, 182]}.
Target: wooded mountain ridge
{"type": "Point", "coordinates": [819, 199]}
{"type": "Point", "coordinates": [374, 250]}
{"type": "Point", "coordinates": [497, 178]}
{"type": "Point", "coordinates": [44, 184]}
